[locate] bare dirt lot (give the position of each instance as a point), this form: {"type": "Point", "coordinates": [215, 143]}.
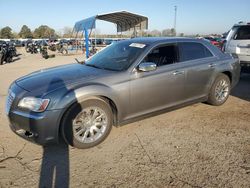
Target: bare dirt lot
{"type": "Point", "coordinates": [196, 146]}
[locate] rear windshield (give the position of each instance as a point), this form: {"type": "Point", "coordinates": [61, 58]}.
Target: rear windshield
{"type": "Point", "coordinates": [242, 33]}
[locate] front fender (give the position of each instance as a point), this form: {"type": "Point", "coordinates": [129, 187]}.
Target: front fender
{"type": "Point", "coordinates": [64, 98]}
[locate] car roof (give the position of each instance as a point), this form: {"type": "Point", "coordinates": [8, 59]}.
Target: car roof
{"type": "Point", "coordinates": [153, 40]}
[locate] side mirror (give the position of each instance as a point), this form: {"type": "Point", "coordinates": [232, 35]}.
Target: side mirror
{"type": "Point", "coordinates": [147, 66]}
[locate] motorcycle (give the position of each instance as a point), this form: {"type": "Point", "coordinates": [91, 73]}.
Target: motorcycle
{"type": "Point", "coordinates": [61, 49]}
{"type": "Point", "coordinates": [44, 52]}
{"type": "Point", "coordinates": [12, 49]}
{"type": "Point", "coordinates": [32, 48]}
{"type": "Point", "coordinates": [7, 52]}
{"type": "Point", "coordinates": [92, 51]}
{"type": "Point", "coordinates": [52, 47]}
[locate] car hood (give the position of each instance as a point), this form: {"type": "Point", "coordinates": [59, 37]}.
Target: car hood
{"type": "Point", "coordinates": [47, 80]}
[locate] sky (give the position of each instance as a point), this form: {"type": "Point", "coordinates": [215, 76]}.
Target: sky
{"type": "Point", "coordinates": [193, 16]}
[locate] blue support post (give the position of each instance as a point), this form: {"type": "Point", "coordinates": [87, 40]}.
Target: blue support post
{"type": "Point", "coordinates": [86, 42]}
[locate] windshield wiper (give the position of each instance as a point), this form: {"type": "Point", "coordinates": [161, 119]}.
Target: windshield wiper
{"type": "Point", "coordinates": [80, 62]}
{"type": "Point", "coordinates": [103, 68]}
{"type": "Point", "coordinates": [91, 65]}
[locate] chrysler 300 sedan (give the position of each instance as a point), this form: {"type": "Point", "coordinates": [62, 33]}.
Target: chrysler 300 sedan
{"type": "Point", "coordinates": [128, 80]}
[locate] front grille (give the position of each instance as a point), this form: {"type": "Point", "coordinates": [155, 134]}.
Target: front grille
{"type": "Point", "coordinates": [9, 101]}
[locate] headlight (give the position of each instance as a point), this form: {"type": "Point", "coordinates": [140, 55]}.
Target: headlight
{"type": "Point", "coordinates": [34, 104]}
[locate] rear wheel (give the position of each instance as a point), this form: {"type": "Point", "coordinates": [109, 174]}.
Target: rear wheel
{"type": "Point", "coordinates": [220, 90]}
{"type": "Point", "coordinates": [87, 124]}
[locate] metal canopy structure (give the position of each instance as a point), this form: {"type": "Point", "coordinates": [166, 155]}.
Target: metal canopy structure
{"type": "Point", "coordinates": [124, 21]}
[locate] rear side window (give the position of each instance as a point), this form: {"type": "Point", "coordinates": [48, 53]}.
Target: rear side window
{"type": "Point", "coordinates": [243, 33]}
{"type": "Point", "coordinates": [192, 50]}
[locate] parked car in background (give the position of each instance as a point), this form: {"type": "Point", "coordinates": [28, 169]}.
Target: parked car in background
{"type": "Point", "coordinates": [125, 81]}
{"type": "Point", "coordinates": [215, 41]}
{"type": "Point", "coordinates": [238, 43]}
{"type": "Point", "coordinates": [99, 41]}
{"type": "Point", "coordinates": [64, 41]}
{"type": "Point", "coordinates": [2, 42]}
{"type": "Point", "coordinates": [41, 42]}
{"type": "Point", "coordinates": [108, 41]}
{"type": "Point", "coordinates": [17, 43]}
{"type": "Point", "coordinates": [212, 40]}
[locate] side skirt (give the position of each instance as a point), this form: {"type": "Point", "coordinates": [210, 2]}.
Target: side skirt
{"type": "Point", "coordinates": [159, 112]}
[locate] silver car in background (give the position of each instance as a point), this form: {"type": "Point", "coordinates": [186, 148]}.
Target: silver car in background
{"type": "Point", "coordinates": [128, 80]}
{"type": "Point", "coordinates": [238, 43]}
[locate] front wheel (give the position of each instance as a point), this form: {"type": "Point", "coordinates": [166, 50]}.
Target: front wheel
{"type": "Point", "coordinates": [220, 90]}
{"type": "Point", "coordinates": [87, 124]}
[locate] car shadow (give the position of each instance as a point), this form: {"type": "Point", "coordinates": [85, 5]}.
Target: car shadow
{"type": "Point", "coordinates": [55, 166]}
{"type": "Point", "coordinates": [242, 89]}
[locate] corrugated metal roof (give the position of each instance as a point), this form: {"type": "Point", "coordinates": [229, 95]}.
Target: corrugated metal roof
{"type": "Point", "coordinates": [125, 20]}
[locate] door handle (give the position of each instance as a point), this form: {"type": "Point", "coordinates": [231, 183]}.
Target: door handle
{"type": "Point", "coordinates": [212, 65]}
{"type": "Point", "coordinates": [178, 72]}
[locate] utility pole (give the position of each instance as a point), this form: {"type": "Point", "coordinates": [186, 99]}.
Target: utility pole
{"type": "Point", "coordinates": [175, 15]}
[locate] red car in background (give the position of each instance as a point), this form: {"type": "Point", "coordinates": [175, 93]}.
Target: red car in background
{"type": "Point", "coordinates": [215, 41]}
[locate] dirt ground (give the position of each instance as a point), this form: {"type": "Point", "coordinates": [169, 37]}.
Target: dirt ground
{"type": "Point", "coordinates": [196, 146]}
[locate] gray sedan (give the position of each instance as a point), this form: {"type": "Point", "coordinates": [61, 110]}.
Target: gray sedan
{"type": "Point", "coordinates": [128, 80]}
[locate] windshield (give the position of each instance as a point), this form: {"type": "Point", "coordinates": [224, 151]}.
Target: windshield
{"type": "Point", "coordinates": [117, 57]}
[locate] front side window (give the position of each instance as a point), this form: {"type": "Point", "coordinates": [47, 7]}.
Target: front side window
{"type": "Point", "coordinates": [243, 33]}
{"type": "Point", "coordinates": [192, 50]}
{"type": "Point", "coordinates": [163, 55]}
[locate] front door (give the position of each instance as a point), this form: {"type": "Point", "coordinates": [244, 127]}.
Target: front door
{"type": "Point", "coordinates": [160, 88]}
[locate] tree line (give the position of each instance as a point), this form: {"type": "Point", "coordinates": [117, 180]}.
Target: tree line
{"type": "Point", "coordinates": [42, 31]}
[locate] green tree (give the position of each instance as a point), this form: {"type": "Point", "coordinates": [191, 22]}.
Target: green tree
{"type": "Point", "coordinates": [25, 32]}
{"type": "Point", "coordinates": [181, 34]}
{"type": "Point", "coordinates": [173, 32]}
{"type": "Point", "coordinates": [6, 33]}
{"type": "Point", "coordinates": [44, 31]}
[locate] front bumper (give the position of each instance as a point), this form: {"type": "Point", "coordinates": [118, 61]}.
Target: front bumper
{"type": "Point", "coordinates": [41, 128]}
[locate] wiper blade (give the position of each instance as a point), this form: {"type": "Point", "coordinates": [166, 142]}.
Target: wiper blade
{"type": "Point", "coordinates": [80, 62]}
{"type": "Point", "coordinates": [103, 68]}
{"type": "Point", "coordinates": [91, 65]}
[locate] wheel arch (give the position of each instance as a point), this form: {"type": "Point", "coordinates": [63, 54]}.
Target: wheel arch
{"type": "Point", "coordinates": [229, 74]}
{"type": "Point", "coordinates": [108, 100]}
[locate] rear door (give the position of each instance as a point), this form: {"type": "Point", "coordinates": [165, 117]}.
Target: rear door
{"type": "Point", "coordinates": [199, 65]}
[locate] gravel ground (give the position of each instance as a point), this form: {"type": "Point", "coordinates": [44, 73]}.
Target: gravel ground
{"type": "Point", "coordinates": [196, 146]}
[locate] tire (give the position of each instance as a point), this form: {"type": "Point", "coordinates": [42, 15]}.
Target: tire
{"type": "Point", "coordinates": [64, 51]}
{"type": "Point", "coordinates": [89, 135]}
{"type": "Point", "coordinates": [220, 90]}
{"type": "Point", "coordinates": [9, 59]}
{"type": "Point", "coordinates": [1, 59]}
